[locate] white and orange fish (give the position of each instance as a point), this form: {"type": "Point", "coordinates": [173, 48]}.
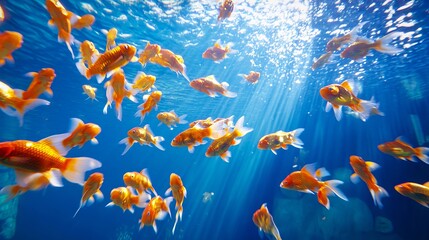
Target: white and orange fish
{"type": "Point", "coordinates": [167, 58]}
{"type": "Point", "coordinates": [88, 52]}
{"type": "Point", "coordinates": [205, 123]}
{"type": "Point", "coordinates": [15, 106]}
{"type": "Point", "coordinates": [252, 77]}
{"type": "Point", "coordinates": [156, 209]}
{"type": "Point", "coordinates": [143, 136]}
{"type": "Point", "coordinates": [140, 181]}
{"type": "Point", "coordinates": [150, 51]}
{"type": "Point", "coordinates": [363, 169]}
{"type": "Point", "coordinates": [415, 191]}
{"type": "Point", "coordinates": [179, 194]}
{"type": "Point", "coordinates": [150, 102]}
{"type": "Point", "coordinates": [309, 181]}
{"type": "Point", "coordinates": [124, 198]}
{"type": "Point", "coordinates": [116, 91]}
{"type": "Point", "coordinates": [217, 53]}
{"type": "Point", "coordinates": [91, 188]}
{"type": "Point", "coordinates": [265, 222]}
{"type": "Point", "coordinates": [110, 38]}
{"type": "Point", "coordinates": [84, 21]}
{"type": "Point", "coordinates": [210, 86]}
{"type": "Point", "coordinates": [42, 82]}
{"type": "Point", "coordinates": [81, 133]}
{"type": "Point", "coordinates": [171, 118]}
{"type": "Point", "coordinates": [339, 95]}
{"type": "Point", "coordinates": [9, 42]}
{"type": "Point", "coordinates": [337, 42]}
{"type": "Point", "coordinates": [90, 91]}
{"type": "Point", "coordinates": [280, 139]}
{"type": "Point", "coordinates": [220, 146]}
{"type": "Point", "coordinates": [143, 82]}
{"type": "Point", "coordinates": [404, 151]}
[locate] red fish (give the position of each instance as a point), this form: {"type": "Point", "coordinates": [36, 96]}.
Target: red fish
{"type": "Point", "coordinates": [252, 77]}
{"type": "Point", "coordinates": [210, 86]}
{"type": "Point", "coordinates": [265, 222]}
{"type": "Point", "coordinates": [217, 53]}
{"type": "Point", "coordinates": [167, 58]}
{"type": "Point", "coordinates": [91, 188]}
{"type": "Point", "coordinates": [404, 151]}
{"type": "Point", "coordinates": [225, 9]}
{"type": "Point", "coordinates": [179, 194]}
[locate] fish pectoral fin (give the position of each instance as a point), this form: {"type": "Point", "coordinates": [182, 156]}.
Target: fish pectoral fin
{"type": "Point", "coordinates": [354, 178]}
{"type": "Point", "coordinates": [273, 151]}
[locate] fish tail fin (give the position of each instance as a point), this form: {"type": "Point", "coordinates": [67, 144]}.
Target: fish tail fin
{"type": "Point", "coordinates": [217, 130]}
{"type": "Point", "coordinates": [182, 119]}
{"type": "Point", "coordinates": [377, 194]}
{"type": "Point", "coordinates": [178, 216]}
{"type": "Point", "coordinates": [80, 206]}
{"type": "Point", "coordinates": [118, 107]}
{"type": "Point", "coordinates": [76, 168]}
{"type": "Point", "coordinates": [228, 93]}
{"type": "Point", "coordinates": [297, 142]}
{"type": "Point", "coordinates": [82, 68]}
{"type": "Point", "coordinates": [382, 44]}
{"type": "Point", "coordinates": [128, 144]}
{"type": "Point", "coordinates": [141, 113]}
{"type": "Point", "coordinates": [422, 154]}
{"type": "Point", "coordinates": [365, 108]}
{"type": "Point", "coordinates": [12, 191]}
{"type": "Point", "coordinates": [22, 106]}
{"type": "Point", "coordinates": [157, 143]}
{"type": "Point", "coordinates": [240, 128]}
{"type": "Point", "coordinates": [59, 142]}
{"type": "Point", "coordinates": [329, 188]}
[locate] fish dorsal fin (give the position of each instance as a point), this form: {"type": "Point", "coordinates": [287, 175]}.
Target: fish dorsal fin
{"type": "Point", "coordinates": [426, 184]}
{"type": "Point", "coordinates": [400, 141]}
{"type": "Point", "coordinates": [346, 85]}
{"type": "Point", "coordinates": [309, 168]}
{"type": "Point", "coordinates": [75, 122]}
{"type": "Point", "coordinates": [31, 74]}
{"type": "Point", "coordinates": [147, 127]}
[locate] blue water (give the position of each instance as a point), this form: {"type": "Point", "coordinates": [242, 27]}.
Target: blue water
{"type": "Point", "coordinates": [277, 38]}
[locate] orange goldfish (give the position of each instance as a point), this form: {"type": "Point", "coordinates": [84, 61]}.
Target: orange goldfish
{"type": "Point", "coordinates": [108, 62]}
{"type": "Point", "coordinates": [225, 9]}
{"type": "Point", "coordinates": [308, 181]}
{"type": "Point", "coordinates": [179, 194]}
{"type": "Point", "coordinates": [364, 171]}
{"type": "Point", "coordinates": [157, 208]}
{"type": "Point", "coordinates": [110, 38]}
{"type": "Point", "coordinates": [41, 83]}
{"type": "Point", "coordinates": [81, 133]}
{"type": "Point", "coordinates": [337, 42]}
{"type": "Point", "coordinates": [359, 49]}
{"type": "Point", "coordinates": [339, 95]}
{"type": "Point", "coordinates": [220, 146]}
{"type": "Point", "coordinates": [167, 58]}
{"type": "Point", "coordinates": [116, 92]}
{"type": "Point", "coordinates": [194, 136]}
{"type": "Point", "coordinates": [322, 60]}
{"type": "Point", "coordinates": [88, 52]}
{"type": "Point", "coordinates": [210, 86]}
{"type": "Point", "coordinates": [209, 121]}
{"type": "Point", "coordinates": [84, 21]}
{"type": "Point", "coordinates": [217, 53]}
{"type": "Point", "coordinates": [143, 136]}
{"type": "Point", "coordinates": [61, 18]}
{"type": "Point", "coordinates": [9, 42]}
{"type": "Point", "coordinates": [252, 78]}
{"type": "Point", "coordinates": [415, 191]}
{"type": "Point", "coordinates": [27, 157]}
{"type": "Point", "coordinates": [150, 51]}
{"type": "Point", "coordinates": [404, 151]}
{"type": "Point", "coordinates": [281, 139]}
{"type": "Point", "coordinates": [125, 199]}
{"type": "Point", "coordinates": [143, 82]}
{"type": "Point", "coordinates": [265, 222]}
{"type": "Point", "coordinates": [171, 118]}
{"type": "Point", "coordinates": [139, 181]}
{"type": "Point", "coordinates": [90, 91]}
{"type": "Point", "coordinates": [150, 102]}
{"type": "Point", "coordinates": [9, 101]}
{"type": "Point", "coordinates": [91, 188]}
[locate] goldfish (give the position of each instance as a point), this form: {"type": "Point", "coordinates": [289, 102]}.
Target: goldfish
{"type": "Point", "coordinates": [281, 139]}
{"type": "Point", "coordinates": [88, 53]}
{"type": "Point", "coordinates": [61, 18]}
{"type": "Point", "coordinates": [205, 123]}
{"type": "Point", "coordinates": [363, 170]}
{"type": "Point", "coordinates": [167, 58]}
{"type": "Point", "coordinates": [108, 62]}
{"type": "Point", "coordinates": [27, 157]}
{"type": "Point", "coordinates": [337, 42]}
{"type": "Point", "coordinates": [415, 191]}
{"type": "Point", "coordinates": [150, 102]}
{"type": "Point", "coordinates": [339, 95]}
{"type": "Point", "coordinates": [210, 86]}
{"type": "Point", "coordinates": [150, 51]}
{"type": "Point", "coordinates": [308, 181]}
{"type": "Point", "coordinates": [220, 146]}
{"type": "Point", "coordinates": [140, 181]}
{"type": "Point", "coordinates": [194, 136]}
{"type": "Point", "coordinates": [90, 91]}
{"type": "Point", "coordinates": [110, 38]}
{"type": "Point", "coordinates": [42, 82]}
{"type": "Point", "coordinates": [265, 222]}
{"type": "Point", "coordinates": [322, 60]}
{"type": "Point", "coordinates": [252, 78]}
{"type": "Point", "coordinates": [9, 42]}
{"type": "Point", "coordinates": [116, 92]}
{"type": "Point", "coordinates": [143, 136]}
{"type": "Point", "coordinates": [143, 82]}
{"type": "Point", "coordinates": [157, 208]}
{"type": "Point", "coordinates": [81, 133]}
{"type": "Point", "coordinates": [179, 194]}
{"type": "Point", "coordinates": [217, 53]}
{"type": "Point", "coordinates": [91, 188]}
{"type": "Point", "coordinates": [15, 106]}
{"type": "Point", "coordinates": [359, 49]}
{"type": "Point", "coordinates": [171, 118]}
{"type": "Point", "coordinates": [225, 9]}
{"type": "Point", "coordinates": [404, 151]}
{"type": "Point", "coordinates": [124, 198]}
{"type": "Point", "coordinates": [84, 21]}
